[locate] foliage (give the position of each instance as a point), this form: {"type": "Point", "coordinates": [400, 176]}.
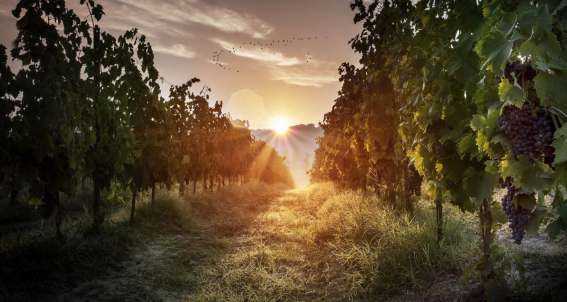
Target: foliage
{"type": "Point", "coordinates": [438, 82]}
{"type": "Point", "coordinates": [85, 105]}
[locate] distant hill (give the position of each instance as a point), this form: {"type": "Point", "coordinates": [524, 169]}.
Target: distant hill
{"type": "Point", "coordinates": [297, 146]}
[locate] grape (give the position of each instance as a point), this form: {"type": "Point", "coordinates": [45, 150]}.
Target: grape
{"type": "Point", "coordinates": [518, 222]}
{"type": "Point", "coordinates": [518, 217]}
{"type": "Point", "coordinates": [507, 200]}
{"type": "Point", "coordinates": [530, 131]}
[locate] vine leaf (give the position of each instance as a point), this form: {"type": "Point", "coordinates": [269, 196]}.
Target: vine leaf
{"type": "Point", "coordinates": [526, 201]}
{"type": "Point", "coordinates": [498, 214]}
{"type": "Point", "coordinates": [560, 145]}
{"type": "Point", "coordinates": [551, 89]}
{"type": "Point", "coordinates": [563, 212]}
{"type": "Point", "coordinates": [554, 228]}
{"type": "Point", "coordinates": [479, 184]}
{"type": "Point", "coordinates": [496, 48]}
{"type": "Point", "coordinates": [465, 145]}
{"type": "Point", "coordinates": [558, 199]}
{"type": "Point", "coordinates": [478, 121]}
{"type": "Point", "coordinates": [536, 220]}
{"type": "Point", "coordinates": [511, 93]}
{"type": "Point", "coordinates": [545, 52]}
{"type": "Point", "coordinates": [530, 175]}
{"type": "Point", "coordinates": [560, 224]}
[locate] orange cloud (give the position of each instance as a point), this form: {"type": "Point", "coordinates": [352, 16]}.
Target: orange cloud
{"type": "Point", "coordinates": [178, 50]}
{"type": "Point", "coordinates": [206, 14]}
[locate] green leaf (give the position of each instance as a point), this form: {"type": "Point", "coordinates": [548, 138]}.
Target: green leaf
{"type": "Point", "coordinates": [479, 184]}
{"type": "Point", "coordinates": [530, 175]}
{"type": "Point", "coordinates": [478, 122]}
{"type": "Point", "coordinates": [556, 227]}
{"type": "Point", "coordinates": [510, 93]}
{"type": "Point", "coordinates": [560, 176]}
{"type": "Point", "coordinates": [491, 121]}
{"type": "Point", "coordinates": [526, 201]}
{"type": "Point", "coordinates": [496, 48]}
{"type": "Point", "coordinates": [535, 220]}
{"type": "Point", "coordinates": [562, 211]}
{"type": "Point", "coordinates": [533, 19]}
{"type": "Point", "coordinates": [491, 166]}
{"type": "Point", "coordinates": [465, 144]}
{"type": "Point", "coordinates": [544, 52]}
{"type": "Point", "coordinates": [552, 89]}
{"type": "Point", "coordinates": [498, 213]}
{"type": "Point", "coordinates": [560, 145]}
{"type": "Point", "coordinates": [558, 199]}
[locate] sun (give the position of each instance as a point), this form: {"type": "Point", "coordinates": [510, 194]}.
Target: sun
{"type": "Point", "coordinates": [280, 125]}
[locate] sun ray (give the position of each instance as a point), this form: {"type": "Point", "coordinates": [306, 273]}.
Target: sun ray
{"type": "Point", "coordinates": [280, 125]}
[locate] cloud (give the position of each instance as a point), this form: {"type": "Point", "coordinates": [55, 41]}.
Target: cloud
{"type": "Point", "coordinates": [169, 17]}
{"type": "Point", "coordinates": [304, 79]}
{"type": "Point", "coordinates": [290, 70]}
{"type": "Point", "coordinates": [314, 74]}
{"type": "Point", "coordinates": [263, 55]}
{"type": "Point", "coordinates": [177, 50]}
{"type": "Point", "coordinates": [199, 12]}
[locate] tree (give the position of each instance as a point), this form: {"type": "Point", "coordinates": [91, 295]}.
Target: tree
{"type": "Point", "coordinates": [8, 93]}
{"type": "Point", "coordinates": [48, 115]}
{"type": "Point", "coordinates": [86, 104]}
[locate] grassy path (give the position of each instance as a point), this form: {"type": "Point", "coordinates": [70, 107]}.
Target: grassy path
{"type": "Point", "coordinates": [246, 250]}
{"type": "Point", "coordinates": [261, 245]}
{"type": "Point", "coordinates": [269, 260]}
{"type": "Point", "coordinates": [184, 259]}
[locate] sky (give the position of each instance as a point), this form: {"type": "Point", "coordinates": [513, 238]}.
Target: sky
{"type": "Point", "coordinates": [263, 58]}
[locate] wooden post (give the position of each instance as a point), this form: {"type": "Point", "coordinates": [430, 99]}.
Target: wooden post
{"type": "Point", "coordinates": [439, 215]}
{"type": "Point", "coordinates": [487, 237]}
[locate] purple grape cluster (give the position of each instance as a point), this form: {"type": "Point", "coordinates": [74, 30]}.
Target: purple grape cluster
{"type": "Point", "coordinates": [518, 222]}
{"type": "Point", "coordinates": [508, 199]}
{"type": "Point", "coordinates": [529, 129]}
{"type": "Point", "coordinates": [518, 217]}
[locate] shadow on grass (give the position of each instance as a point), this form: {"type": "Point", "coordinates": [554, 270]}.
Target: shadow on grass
{"type": "Point", "coordinates": [153, 259]}
{"type": "Point", "coordinates": [40, 269]}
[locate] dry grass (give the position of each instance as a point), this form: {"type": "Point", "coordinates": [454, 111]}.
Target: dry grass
{"type": "Point", "coordinates": [322, 245]}
{"type": "Point", "coordinates": [260, 243]}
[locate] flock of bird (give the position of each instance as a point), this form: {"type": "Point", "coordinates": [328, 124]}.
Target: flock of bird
{"type": "Point", "coordinates": [217, 55]}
